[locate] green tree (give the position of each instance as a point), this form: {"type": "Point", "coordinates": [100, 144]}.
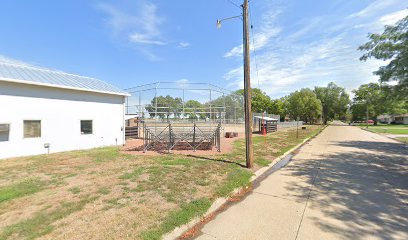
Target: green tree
{"type": "Point", "coordinates": [367, 98]}
{"type": "Point", "coordinates": [194, 108]}
{"type": "Point", "coordinates": [260, 101]}
{"type": "Point", "coordinates": [166, 106]}
{"type": "Point", "coordinates": [391, 45]}
{"type": "Point", "coordinates": [233, 106]}
{"type": "Point", "coordinates": [335, 101]}
{"type": "Point", "coordinates": [304, 105]}
{"type": "Point", "coordinates": [377, 100]}
{"type": "Point", "coordinates": [278, 107]}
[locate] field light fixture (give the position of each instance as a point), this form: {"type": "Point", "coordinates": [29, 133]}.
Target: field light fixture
{"type": "Point", "coordinates": [219, 21]}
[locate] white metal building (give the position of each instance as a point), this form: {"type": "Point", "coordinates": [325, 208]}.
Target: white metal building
{"type": "Point", "coordinates": [44, 110]}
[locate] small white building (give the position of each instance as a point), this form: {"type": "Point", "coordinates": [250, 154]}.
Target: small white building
{"type": "Point", "coordinates": [401, 118]}
{"type": "Point", "coordinates": [393, 119]}
{"type": "Point", "coordinates": [44, 110]}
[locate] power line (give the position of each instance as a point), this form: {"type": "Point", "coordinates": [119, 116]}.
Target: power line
{"type": "Point", "coordinates": [233, 3]}
{"type": "Point", "coordinates": [254, 49]}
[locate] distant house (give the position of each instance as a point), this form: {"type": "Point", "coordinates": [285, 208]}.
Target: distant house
{"type": "Point", "coordinates": [401, 119]}
{"type": "Point", "coordinates": [385, 118]}
{"type": "Point", "coordinates": [396, 118]}
{"type": "Point", "coordinates": [44, 110]}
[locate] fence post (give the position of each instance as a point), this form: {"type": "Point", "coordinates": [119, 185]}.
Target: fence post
{"type": "Point", "coordinates": [194, 136]}
{"type": "Point", "coordinates": [219, 137]}
{"type": "Point", "coordinates": [170, 138]}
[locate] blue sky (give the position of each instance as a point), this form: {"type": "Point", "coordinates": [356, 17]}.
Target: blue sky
{"type": "Point", "coordinates": [295, 43]}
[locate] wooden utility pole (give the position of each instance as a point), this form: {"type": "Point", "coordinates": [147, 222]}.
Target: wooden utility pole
{"type": "Point", "coordinates": [247, 90]}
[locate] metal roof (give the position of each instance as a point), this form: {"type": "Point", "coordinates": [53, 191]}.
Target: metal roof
{"type": "Point", "coordinates": [16, 72]}
{"type": "Point", "coordinates": [266, 118]}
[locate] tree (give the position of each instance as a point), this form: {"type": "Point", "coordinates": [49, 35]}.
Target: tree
{"type": "Point", "coordinates": [305, 105]}
{"type": "Point", "coordinates": [233, 106]}
{"type": "Point", "coordinates": [260, 101]}
{"type": "Point", "coordinates": [391, 45]}
{"type": "Point", "coordinates": [377, 100]}
{"type": "Point", "coordinates": [166, 106]}
{"type": "Point", "coordinates": [366, 98]}
{"type": "Point", "coordinates": [193, 109]}
{"type": "Point", "coordinates": [335, 101]}
{"type": "Point", "coordinates": [278, 107]}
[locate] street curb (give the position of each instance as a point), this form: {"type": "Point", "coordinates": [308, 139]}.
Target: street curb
{"type": "Point", "coordinates": [179, 231]}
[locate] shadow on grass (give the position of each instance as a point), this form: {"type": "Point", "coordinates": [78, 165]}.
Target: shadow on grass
{"type": "Point", "coordinates": [217, 160]}
{"type": "Point", "coordinates": [369, 180]}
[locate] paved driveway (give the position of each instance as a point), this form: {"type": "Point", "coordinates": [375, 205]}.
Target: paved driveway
{"type": "Point", "coordinates": [345, 184]}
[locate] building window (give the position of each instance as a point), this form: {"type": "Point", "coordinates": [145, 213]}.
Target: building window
{"type": "Point", "coordinates": [32, 128]}
{"type": "Point", "coordinates": [4, 132]}
{"type": "Point", "coordinates": [86, 126]}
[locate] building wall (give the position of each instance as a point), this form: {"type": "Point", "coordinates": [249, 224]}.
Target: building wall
{"type": "Point", "coordinates": [60, 112]}
{"type": "Point", "coordinates": [401, 120]}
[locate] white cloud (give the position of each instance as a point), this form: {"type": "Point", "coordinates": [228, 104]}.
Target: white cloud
{"type": "Point", "coordinates": [373, 8]}
{"type": "Point", "coordinates": [260, 38]}
{"type": "Point", "coordinates": [394, 17]}
{"type": "Point", "coordinates": [310, 53]}
{"type": "Point", "coordinates": [140, 26]}
{"type": "Point", "coordinates": [137, 23]}
{"type": "Point", "coordinates": [144, 39]}
{"type": "Point", "coordinates": [184, 45]}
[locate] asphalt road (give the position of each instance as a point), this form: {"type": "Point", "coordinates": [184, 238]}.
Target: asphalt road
{"type": "Point", "coordinates": [346, 183]}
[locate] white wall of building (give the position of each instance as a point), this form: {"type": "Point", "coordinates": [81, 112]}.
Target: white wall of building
{"type": "Point", "coordinates": [60, 112]}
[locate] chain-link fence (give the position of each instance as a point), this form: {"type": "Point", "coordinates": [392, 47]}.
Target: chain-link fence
{"type": "Point", "coordinates": [185, 101]}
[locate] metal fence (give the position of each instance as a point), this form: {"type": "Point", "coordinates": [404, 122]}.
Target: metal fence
{"type": "Point", "coordinates": [181, 137]}
{"type": "Point", "coordinates": [290, 124]}
{"type": "Point", "coordinates": [184, 101]}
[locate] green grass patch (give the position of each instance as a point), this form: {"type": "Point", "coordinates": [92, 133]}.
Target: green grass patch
{"type": "Point", "coordinates": [177, 218]}
{"type": "Point", "coordinates": [202, 182]}
{"type": "Point", "coordinates": [101, 155]}
{"type": "Point", "coordinates": [402, 139]}
{"type": "Point", "coordinates": [389, 130]}
{"type": "Point", "coordinates": [104, 190]}
{"type": "Point", "coordinates": [132, 175]}
{"type": "Point", "coordinates": [171, 161]}
{"type": "Point", "coordinates": [237, 177]}
{"type": "Point", "coordinates": [75, 190]}
{"type": "Point", "coordinates": [26, 187]}
{"type": "Point", "coordinates": [41, 223]}
{"type": "Point", "coordinates": [262, 162]}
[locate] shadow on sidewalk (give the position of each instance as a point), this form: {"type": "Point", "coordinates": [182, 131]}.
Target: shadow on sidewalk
{"type": "Point", "coordinates": [369, 178]}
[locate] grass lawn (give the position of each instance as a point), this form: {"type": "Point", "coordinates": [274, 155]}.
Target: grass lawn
{"type": "Point", "coordinates": [104, 194]}
{"type": "Point", "coordinates": [402, 139]}
{"type": "Point", "coordinates": [388, 129]}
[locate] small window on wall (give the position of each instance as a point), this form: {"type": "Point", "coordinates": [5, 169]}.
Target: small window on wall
{"type": "Point", "coordinates": [32, 128]}
{"type": "Point", "coordinates": [4, 132]}
{"type": "Point", "coordinates": [86, 126]}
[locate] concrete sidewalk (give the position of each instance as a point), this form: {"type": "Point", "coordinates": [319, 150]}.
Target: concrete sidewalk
{"type": "Point", "coordinates": [345, 184]}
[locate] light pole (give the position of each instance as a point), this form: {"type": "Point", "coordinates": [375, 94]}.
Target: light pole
{"type": "Point", "coordinates": [367, 113]}
{"type": "Point", "coordinates": [247, 84]}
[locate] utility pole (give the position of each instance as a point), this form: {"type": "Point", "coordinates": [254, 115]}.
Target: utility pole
{"type": "Point", "coordinates": [247, 90]}
{"type": "Point", "coordinates": [247, 84]}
